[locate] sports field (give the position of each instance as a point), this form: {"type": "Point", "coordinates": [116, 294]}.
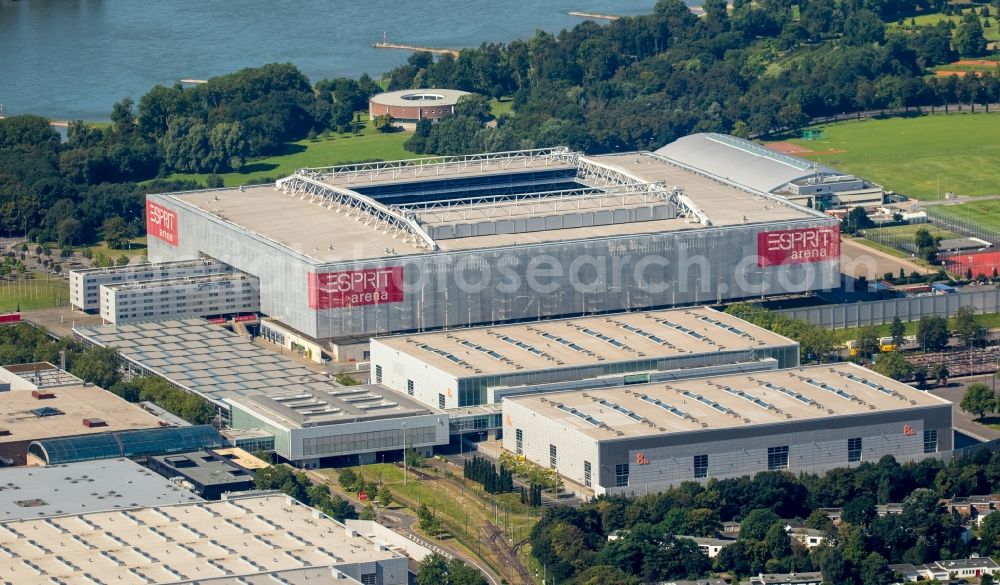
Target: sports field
{"type": "Point", "coordinates": [975, 213]}
{"type": "Point", "coordinates": [39, 291]}
{"type": "Point", "coordinates": [923, 156]}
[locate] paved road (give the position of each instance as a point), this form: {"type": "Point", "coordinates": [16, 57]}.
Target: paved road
{"type": "Point", "coordinates": [964, 421]}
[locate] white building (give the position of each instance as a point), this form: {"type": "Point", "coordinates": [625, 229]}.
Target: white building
{"type": "Point", "coordinates": [355, 421]}
{"type": "Point", "coordinates": [84, 285]}
{"type": "Point", "coordinates": [645, 438]}
{"type": "Point", "coordinates": [241, 539]}
{"type": "Point", "coordinates": [468, 367]}
{"type": "Point", "coordinates": [192, 296]}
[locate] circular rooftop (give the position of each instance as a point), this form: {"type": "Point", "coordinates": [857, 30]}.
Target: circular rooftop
{"type": "Point", "coordinates": [418, 97]}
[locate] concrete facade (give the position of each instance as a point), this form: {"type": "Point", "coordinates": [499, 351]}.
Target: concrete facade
{"type": "Point", "coordinates": [84, 285]}
{"type": "Point", "coordinates": [200, 296]}
{"type": "Point", "coordinates": [645, 438]}
{"type": "Point", "coordinates": [469, 367]}
{"type": "Point", "coordinates": [354, 421]}
{"type": "Point", "coordinates": [479, 272]}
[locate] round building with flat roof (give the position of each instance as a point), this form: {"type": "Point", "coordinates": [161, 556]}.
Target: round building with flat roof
{"type": "Point", "coordinates": [409, 106]}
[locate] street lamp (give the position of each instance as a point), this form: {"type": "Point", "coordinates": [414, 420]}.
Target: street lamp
{"type": "Point", "coordinates": [404, 453]}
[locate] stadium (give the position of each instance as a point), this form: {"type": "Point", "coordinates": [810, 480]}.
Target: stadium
{"type": "Point", "coordinates": [391, 247]}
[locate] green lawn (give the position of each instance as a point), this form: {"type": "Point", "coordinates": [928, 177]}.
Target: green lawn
{"type": "Point", "coordinates": [333, 149]}
{"type": "Point", "coordinates": [40, 291]}
{"type": "Point", "coordinates": [992, 32]}
{"type": "Point", "coordinates": [501, 106]}
{"type": "Point", "coordinates": [984, 213]}
{"type": "Point", "coordinates": [138, 245]}
{"type": "Point", "coordinates": [922, 156]}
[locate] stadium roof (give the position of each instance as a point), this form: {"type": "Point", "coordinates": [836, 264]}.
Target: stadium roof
{"type": "Point", "coordinates": [727, 401]}
{"type": "Point", "coordinates": [91, 486]}
{"type": "Point", "coordinates": [205, 359]}
{"type": "Point", "coordinates": [126, 444]}
{"type": "Point", "coordinates": [251, 536]}
{"type": "Point", "coordinates": [583, 341]}
{"type": "Point", "coordinates": [399, 208]}
{"type": "Point", "coordinates": [418, 97]}
{"type": "Point", "coordinates": [350, 404]}
{"type": "Point", "coordinates": [742, 161]}
{"type": "Point", "coordinates": [64, 411]}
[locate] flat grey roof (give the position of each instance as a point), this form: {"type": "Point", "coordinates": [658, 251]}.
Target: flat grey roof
{"type": "Point", "coordinates": [350, 404]}
{"type": "Point", "coordinates": [779, 396]}
{"type": "Point", "coordinates": [206, 359]}
{"type": "Point", "coordinates": [147, 266]}
{"type": "Point", "coordinates": [240, 535]}
{"type": "Point", "coordinates": [89, 486]}
{"type": "Point", "coordinates": [200, 279]}
{"type": "Point", "coordinates": [204, 467]}
{"type": "Point", "coordinates": [309, 225]}
{"type": "Point", "coordinates": [583, 341]}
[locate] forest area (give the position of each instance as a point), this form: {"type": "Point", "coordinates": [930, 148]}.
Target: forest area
{"type": "Point", "coordinates": [634, 83]}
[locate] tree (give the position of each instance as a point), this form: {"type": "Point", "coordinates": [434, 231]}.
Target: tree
{"type": "Point", "coordinates": [898, 331]}
{"type": "Point", "coordinates": [757, 523]}
{"type": "Point", "coordinates": [435, 569]}
{"type": "Point", "coordinates": [874, 570]}
{"type": "Point", "coordinates": [117, 233]}
{"type": "Point", "coordinates": [475, 106]}
{"type": "Point", "coordinates": [967, 328]}
{"type": "Point", "coordinates": [868, 342]}
{"type": "Point", "coordinates": [893, 365]}
{"type": "Point", "coordinates": [69, 231]}
{"type": "Point", "coordinates": [863, 27]}
{"type": "Point", "coordinates": [979, 400]}
{"type": "Point", "coordinates": [969, 38]}
{"type": "Point", "coordinates": [384, 497]}
{"type": "Point", "coordinates": [97, 365]}
{"type": "Point", "coordinates": [932, 333]}
{"type": "Point", "coordinates": [941, 373]}
{"type": "Point", "coordinates": [856, 219]}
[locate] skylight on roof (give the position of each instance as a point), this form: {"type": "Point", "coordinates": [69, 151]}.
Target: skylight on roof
{"type": "Point", "coordinates": [667, 407]}
{"type": "Point", "coordinates": [791, 393]}
{"type": "Point", "coordinates": [522, 345]}
{"type": "Point", "coordinates": [748, 397]}
{"type": "Point", "coordinates": [829, 388]}
{"type": "Point", "coordinates": [721, 325]}
{"type": "Point", "coordinates": [633, 329]}
{"type": "Point", "coordinates": [493, 354]}
{"type": "Point", "coordinates": [706, 401]}
{"type": "Point", "coordinates": [558, 339]}
{"type": "Point", "coordinates": [682, 329]}
{"type": "Point", "coordinates": [446, 355]}
{"type": "Point", "coordinates": [619, 408]}
{"type": "Point", "coordinates": [872, 385]}
{"type": "Point", "coordinates": [606, 339]}
{"type": "Point", "coordinates": [578, 414]}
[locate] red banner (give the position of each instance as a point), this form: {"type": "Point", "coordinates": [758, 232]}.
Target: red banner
{"type": "Point", "coordinates": [10, 318]}
{"type": "Point", "coordinates": [161, 223]}
{"type": "Point", "coordinates": [355, 288]}
{"type": "Point", "coordinates": [799, 246]}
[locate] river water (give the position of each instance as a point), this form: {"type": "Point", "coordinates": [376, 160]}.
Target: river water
{"type": "Point", "coordinates": [72, 59]}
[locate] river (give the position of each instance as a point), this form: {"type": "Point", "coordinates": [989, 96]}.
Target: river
{"type": "Point", "coordinates": [72, 59]}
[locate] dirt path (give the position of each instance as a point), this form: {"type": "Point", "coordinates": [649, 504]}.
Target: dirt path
{"type": "Point", "coordinates": [860, 260]}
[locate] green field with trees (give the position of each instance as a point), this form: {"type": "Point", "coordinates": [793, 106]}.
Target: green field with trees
{"type": "Point", "coordinates": [633, 83]}
{"type": "Point", "coordinates": [920, 156]}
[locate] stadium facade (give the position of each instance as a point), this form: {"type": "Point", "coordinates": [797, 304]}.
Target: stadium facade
{"type": "Point", "coordinates": [423, 244]}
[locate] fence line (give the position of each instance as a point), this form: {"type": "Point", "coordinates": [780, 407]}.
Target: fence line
{"type": "Point", "coordinates": [966, 227]}
{"type": "Point", "coordinates": [982, 299]}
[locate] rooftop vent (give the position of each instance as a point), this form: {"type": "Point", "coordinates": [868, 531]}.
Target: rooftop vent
{"type": "Point", "coordinates": [42, 394]}
{"type": "Point", "coordinates": [94, 422]}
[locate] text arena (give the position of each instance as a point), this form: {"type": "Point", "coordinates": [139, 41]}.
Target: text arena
{"type": "Point", "coordinates": [161, 223]}
{"type": "Point", "coordinates": [355, 288]}
{"type": "Point", "coordinates": [798, 246]}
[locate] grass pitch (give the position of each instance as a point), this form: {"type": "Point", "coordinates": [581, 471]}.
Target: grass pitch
{"type": "Point", "coordinates": [920, 156]}
{"type": "Point", "coordinates": [38, 291]}
{"type": "Point", "coordinates": [984, 213]}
